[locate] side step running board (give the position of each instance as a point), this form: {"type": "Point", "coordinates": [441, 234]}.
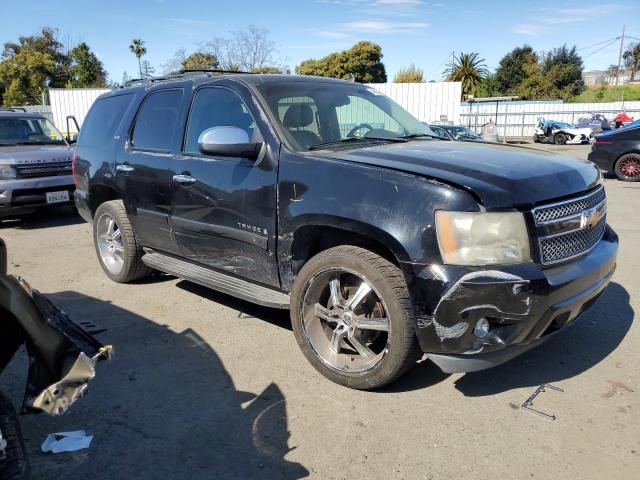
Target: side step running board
{"type": "Point", "coordinates": [216, 280]}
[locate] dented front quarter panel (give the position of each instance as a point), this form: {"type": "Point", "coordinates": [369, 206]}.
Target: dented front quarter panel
{"type": "Point", "coordinates": [62, 356]}
{"type": "Point", "coordinates": [394, 208]}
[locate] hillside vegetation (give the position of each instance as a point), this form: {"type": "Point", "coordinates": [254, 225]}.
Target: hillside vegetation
{"type": "Point", "coordinates": [608, 94]}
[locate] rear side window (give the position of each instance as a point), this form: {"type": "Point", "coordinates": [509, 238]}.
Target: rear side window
{"type": "Point", "coordinates": [157, 121]}
{"type": "Point", "coordinates": [100, 125]}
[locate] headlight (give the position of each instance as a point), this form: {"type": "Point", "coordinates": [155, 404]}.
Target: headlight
{"type": "Point", "coordinates": [7, 171]}
{"type": "Point", "coordinates": [470, 238]}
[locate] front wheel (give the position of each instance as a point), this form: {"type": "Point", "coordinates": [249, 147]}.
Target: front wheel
{"type": "Point", "coordinates": [627, 167]}
{"type": "Point", "coordinates": [353, 318]}
{"type": "Point", "coordinates": [14, 464]}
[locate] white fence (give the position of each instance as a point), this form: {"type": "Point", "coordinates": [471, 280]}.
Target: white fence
{"type": "Point", "coordinates": [428, 102]}
{"type": "Point", "coordinates": [72, 101]}
{"type": "Point", "coordinates": [518, 119]}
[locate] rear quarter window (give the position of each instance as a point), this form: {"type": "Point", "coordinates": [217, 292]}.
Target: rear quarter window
{"type": "Point", "coordinates": [103, 120]}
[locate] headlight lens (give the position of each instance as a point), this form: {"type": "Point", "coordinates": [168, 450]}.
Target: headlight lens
{"type": "Point", "coordinates": [476, 238]}
{"type": "Point", "coordinates": [7, 172]}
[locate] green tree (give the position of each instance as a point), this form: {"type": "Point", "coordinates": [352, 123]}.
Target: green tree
{"type": "Point", "coordinates": [363, 61]}
{"type": "Point", "coordinates": [467, 68]}
{"type": "Point", "coordinates": [200, 61]}
{"type": "Point", "coordinates": [631, 58]}
{"type": "Point", "coordinates": [516, 66]}
{"type": "Point", "coordinates": [563, 71]}
{"type": "Point", "coordinates": [138, 49]}
{"type": "Point", "coordinates": [31, 65]}
{"type": "Point", "coordinates": [86, 69]}
{"type": "Point", "coordinates": [410, 74]}
{"type": "Point", "coordinates": [489, 87]}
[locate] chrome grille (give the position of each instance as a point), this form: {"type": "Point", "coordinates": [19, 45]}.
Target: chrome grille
{"type": "Point", "coordinates": [572, 244]}
{"type": "Point", "coordinates": [569, 208]}
{"type": "Point", "coordinates": [569, 229]}
{"type": "Point", "coordinates": [44, 169]}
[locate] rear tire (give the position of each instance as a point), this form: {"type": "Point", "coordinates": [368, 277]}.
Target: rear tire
{"type": "Point", "coordinates": [627, 167]}
{"type": "Point", "coordinates": [15, 465]}
{"type": "Point", "coordinates": [366, 296]}
{"type": "Point", "coordinates": [560, 139]}
{"type": "Point", "coordinates": [119, 253]}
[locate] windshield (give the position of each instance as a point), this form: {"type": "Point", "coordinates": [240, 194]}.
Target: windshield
{"type": "Point", "coordinates": [29, 131]}
{"type": "Point", "coordinates": [317, 113]}
{"type": "Point", "coordinates": [461, 132]}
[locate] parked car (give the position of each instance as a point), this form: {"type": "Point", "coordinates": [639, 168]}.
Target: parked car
{"type": "Point", "coordinates": [62, 359]}
{"type": "Point", "coordinates": [326, 198]}
{"type": "Point", "coordinates": [560, 133]}
{"type": "Point", "coordinates": [618, 152]}
{"type": "Point", "coordinates": [456, 132]}
{"type": "Point", "coordinates": [35, 164]}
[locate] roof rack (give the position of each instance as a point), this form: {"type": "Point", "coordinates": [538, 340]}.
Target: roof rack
{"type": "Point", "coordinates": [181, 74]}
{"type": "Point", "coordinates": [13, 109]}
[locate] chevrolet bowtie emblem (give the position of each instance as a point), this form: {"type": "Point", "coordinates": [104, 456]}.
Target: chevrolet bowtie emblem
{"type": "Point", "coordinates": [590, 218]}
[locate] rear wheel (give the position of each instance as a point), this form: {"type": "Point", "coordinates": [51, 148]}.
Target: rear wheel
{"type": "Point", "coordinates": [118, 251]}
{"type": "Point", "coordinates": [560, 139]}
{"type": "Point", "coordinates": [353, 318]}
{"type": "Point", "coordinates": [627, 167]}
{"type": "Point", "coordinates": [14, 464]}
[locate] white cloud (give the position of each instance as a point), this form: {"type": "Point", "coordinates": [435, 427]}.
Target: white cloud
{"type": "Point", "coordinates": [562, 16]}
{"type": "Point", "coordinates": [382, 26]}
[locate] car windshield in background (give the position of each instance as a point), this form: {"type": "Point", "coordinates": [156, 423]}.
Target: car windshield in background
{"type": "Point", "coordinates": [323, 114]}
{"type": "Point", "coordinates": [461, 132]}
{"type": "Point", "coordinates": [28, 131]}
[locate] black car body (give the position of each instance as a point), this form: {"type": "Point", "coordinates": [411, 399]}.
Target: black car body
{"type": "Point", "coordinates": [313, 199]}
{"type": "Point", "coordinates": [618, 152]}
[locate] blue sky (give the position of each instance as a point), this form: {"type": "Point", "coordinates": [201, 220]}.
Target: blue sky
{"type": "Point", "coordinates": [424, 32]}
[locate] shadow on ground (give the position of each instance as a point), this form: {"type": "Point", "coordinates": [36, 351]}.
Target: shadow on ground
{"type": "Point", "coordinates": [43, 218]}
{"type": "Point", "coordinates": [164, 401]}
{"type": "Point", "coordinates": [580, 347]}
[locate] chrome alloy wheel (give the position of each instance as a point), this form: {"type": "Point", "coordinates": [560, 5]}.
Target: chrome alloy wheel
{"type": "Point", "coordinates": [110, 244]}
{"type": "Point", "coordinates": [345, 321]}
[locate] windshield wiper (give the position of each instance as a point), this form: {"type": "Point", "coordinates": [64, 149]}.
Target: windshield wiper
{"type": "Point", "coordinates": [8, 144]}
{"type": "Point", "coordinates": [47, 142]}
{"type": "Point", "coordinates": [354, 139]}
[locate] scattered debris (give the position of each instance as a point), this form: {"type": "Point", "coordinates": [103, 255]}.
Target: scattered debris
{"type": "Point", "coordinates": [66, 441]}
{"type": "Point", "coordinates": [528, 403]}
{"type": "Point", "coordinates": [617, 387]}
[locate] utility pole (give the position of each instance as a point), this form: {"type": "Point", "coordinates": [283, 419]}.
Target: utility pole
{"type": "Point", "coordinates": [620, 56]}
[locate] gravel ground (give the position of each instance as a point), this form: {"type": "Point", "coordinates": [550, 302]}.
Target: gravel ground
{"type": "Point", "coordinates": [205, 386]}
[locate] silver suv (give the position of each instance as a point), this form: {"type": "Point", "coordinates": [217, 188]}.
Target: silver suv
{"type": "Point", "coordinates": [35, 164]}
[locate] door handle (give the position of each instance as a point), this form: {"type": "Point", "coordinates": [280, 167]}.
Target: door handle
{"type": "Point", "coordinates": [184, 179]}
{"type": "Point", "coordinates": [124, 168]}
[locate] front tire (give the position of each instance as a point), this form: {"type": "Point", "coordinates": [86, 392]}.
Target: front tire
{"type": "Point", "coordinates": [15, 464]}
{"type": "Point", "coordinates": [627, 167]}
{"type": "Point", "coordinates": [353, 318]}
{"type": "Point", "coordinates": [119, 253]}
{"type": "Point", "coordinates": [560, 139]}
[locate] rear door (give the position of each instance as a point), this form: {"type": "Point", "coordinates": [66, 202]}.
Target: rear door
{"type": "Point", "coordinates": [144, 167]}
{"type": "Point", "coordinates": [226, 216]}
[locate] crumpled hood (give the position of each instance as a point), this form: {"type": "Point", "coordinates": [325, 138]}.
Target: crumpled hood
{"type": "Point", "coordinates": [499, 175]}
{"type": "Point", "coordinates": [34, 154]}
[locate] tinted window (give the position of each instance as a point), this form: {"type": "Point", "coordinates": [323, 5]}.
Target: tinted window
{"type": "Point", "coordinates": [157, 121]}
{"type": "Point", "coordinates": [217, 107]}
{"type": "Point", "coordinates": [103, 119]}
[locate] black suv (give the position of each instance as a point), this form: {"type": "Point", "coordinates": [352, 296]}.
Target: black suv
{"type": "Point", "coordinates": [326, 198]}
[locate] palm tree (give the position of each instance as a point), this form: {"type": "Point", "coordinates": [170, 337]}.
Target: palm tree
{"type": "Point", "coordinates": [138, 49]}
{"type": "Point", "coordinates": [467, 68]}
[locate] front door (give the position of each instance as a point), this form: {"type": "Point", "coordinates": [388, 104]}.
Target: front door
{"type": "Point", "coordinates": [224, 209]}
{"type": "Point", "coordinates": [143, 171]}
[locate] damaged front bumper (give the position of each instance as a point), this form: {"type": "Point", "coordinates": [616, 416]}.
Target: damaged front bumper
{"type": "Point", "coordinates": [524, 305]}
{"type": "Point", "coordinates": [62, 356]}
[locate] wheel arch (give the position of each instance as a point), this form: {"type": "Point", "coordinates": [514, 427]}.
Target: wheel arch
{"type": "Point", "coordinates": [98, 194]}
{"type": "Point", "coordinates": [322, 233]}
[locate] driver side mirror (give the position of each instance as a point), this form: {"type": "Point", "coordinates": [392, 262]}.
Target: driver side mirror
{"type": "Point", "coordinates": [228, 142]}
